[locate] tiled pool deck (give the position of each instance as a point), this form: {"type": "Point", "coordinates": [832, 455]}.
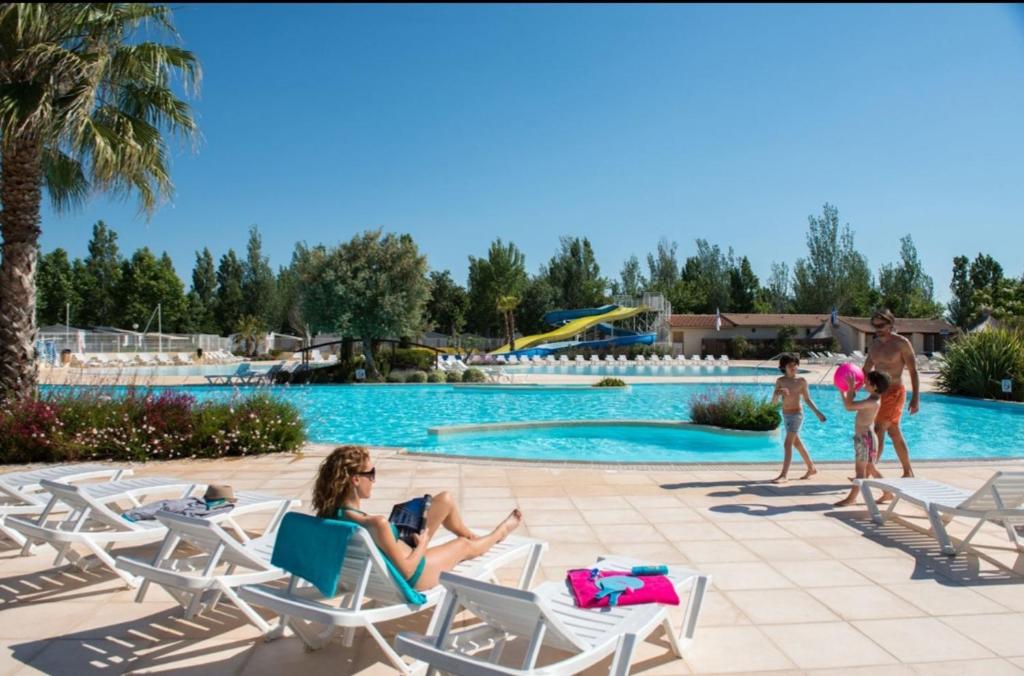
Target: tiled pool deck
{"type": "Point", "coordinates": [799, 587]}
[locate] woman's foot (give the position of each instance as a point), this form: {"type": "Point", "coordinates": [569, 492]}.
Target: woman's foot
{"type": "Point", "coordinates": [845, 502]}
{"type": "Point", "coordinates": [809, 473]}
{"type": "Point", "coordinates": [509, 524]}
{"type": "Point", "coordinates": [781, 479]}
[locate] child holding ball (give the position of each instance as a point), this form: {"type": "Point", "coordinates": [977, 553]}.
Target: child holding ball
{"type": "Point", "coordinates": [864, 447]}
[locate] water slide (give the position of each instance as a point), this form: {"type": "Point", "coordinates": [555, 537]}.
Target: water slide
{"type": "Point", "coordinates": [573, 327]}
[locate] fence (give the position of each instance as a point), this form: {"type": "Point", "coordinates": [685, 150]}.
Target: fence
{"type": "Point", "coordinates": [129, 342]}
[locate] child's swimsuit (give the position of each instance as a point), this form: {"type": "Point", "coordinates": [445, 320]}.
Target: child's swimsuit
{"type": "Point", "coordinates": [414, 578]}
{"type": "Point", "coordinates": [864, 447]}
{"type": "Point", "coordinates": [793, 421]}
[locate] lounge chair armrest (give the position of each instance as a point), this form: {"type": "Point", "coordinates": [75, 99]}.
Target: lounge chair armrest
{"type": "Point", "coordinates": [422, 648]}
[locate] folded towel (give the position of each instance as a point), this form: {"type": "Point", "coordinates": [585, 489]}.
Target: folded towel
{"type": "Point", "coordinates": [312, 549]}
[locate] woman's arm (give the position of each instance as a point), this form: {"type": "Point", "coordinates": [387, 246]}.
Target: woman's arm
{"type": "Point", "coordinates": [380, 531]}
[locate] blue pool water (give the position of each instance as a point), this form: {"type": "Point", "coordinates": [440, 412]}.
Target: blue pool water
{"type": "Point", "coordinates": [945, 427]}
{"type": "Point", "coordinates": [633, 369]}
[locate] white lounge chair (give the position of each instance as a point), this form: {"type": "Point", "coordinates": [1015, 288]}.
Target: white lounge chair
{"type": "Point", "coordinates": [164, 359]}
{"type": "Point", "coordinates": [94, 521]}
{"type": "Point", "coordinates": [578, 359]}
{"type": "Point", "coordinates": [545, 616]}
{"type": "Point", "coordinates": [999, 500]}
{"type": "Point", "coordinates": [594, 359]}
{"type": "Point", "coordinates": [609, 359]}
{"type": "Point", "coordinates": [563, 359]}
{"type": "Point", "coordinates": [724, 359]}
{"type": "Point", "coordinates": [621, 359]}
{"type": "Point", "coordinates": [21, 494]}
{"type": "Point", "coordinates": [370, 595]}
{"type": "Point", "coordinates": [183, 359]}
{"type": "Point", "coordinates": [193, 580]}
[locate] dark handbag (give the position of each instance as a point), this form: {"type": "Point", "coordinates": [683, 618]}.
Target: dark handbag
{"type": "Point", "coordinates": [410, 518]}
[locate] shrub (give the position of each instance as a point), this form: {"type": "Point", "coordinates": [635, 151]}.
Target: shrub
{"type": "Point", "coordinates": [785, 339]}
{"type": "Point", "coordinates": [144, 425]}
{"type": "Point", "coordinates": [975, 365]}
{"type": "Point", "coordinates": [610, 382]}
{"type": "Point", "coordinates": [738, 347]}
{"type": "Point", "coordinates": [733, 410]}
{"type": "Point", "coordinates": [474, 375]}
{"type": "Point", "coordinates": [395, 377]}
{"type": "Point", "coordinates": [435, 376]}
{"type": "Point", "coordinates": [416, 377]}
{"type": "Point", "coordinates": [453, 377]}
{"type": "Point", "coordinates": [410, 358]}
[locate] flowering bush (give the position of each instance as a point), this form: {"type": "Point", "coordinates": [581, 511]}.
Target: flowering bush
{"type": "Point", "coordinates": [144, 425]}
{"type": "Point", "coordinates": [733, 410]}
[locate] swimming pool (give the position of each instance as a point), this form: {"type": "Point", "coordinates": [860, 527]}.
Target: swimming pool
{"type": "Point", "coordinates": [633, 369]}
{"type": "Point", "coordinates": [390, 415]}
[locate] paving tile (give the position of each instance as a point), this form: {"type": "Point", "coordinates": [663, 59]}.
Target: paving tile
{"type": "Point", "coordinates": [616, 535]}
{"type": "Point", "coordinates": [921, 639]}
{"type": "Point", "coordinates": [715, 551]}
{"type": "Point", "coordinates": [754, 575]}
{"type": "Point", "coordinates": [780, 606]}
{"type": "Point", "coordinates": [789, 550]}
{"type": "Point", "coordinates": [1002, 634]}
{"type": "Point", "coordinates": [940, 599]}
{"type": "Point", "coordinates": [734, 650]}
{"type": "Point", "coordinates": [968, 668]}
{"type": "Point", "coordinates": [823, 645]}
{"type": "Point", "coordinates": [757, 530]}
{"type": "Point", "coordinates": [864, 603]}
{"type": "Point", "coordinates": [602, 517]}
{"type": "Point", "coordinates": [809, 574]}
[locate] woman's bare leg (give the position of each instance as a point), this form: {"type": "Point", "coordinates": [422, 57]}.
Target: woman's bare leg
{"type": "Point", "coordinates": [450, 554]}
{"type": "Point", "coordinates": [444, 511]}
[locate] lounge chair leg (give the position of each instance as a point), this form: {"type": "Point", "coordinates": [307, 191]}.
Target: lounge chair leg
{"type": "Point", "coordinates": [693, 606]}
{"type": "Point", "coordinates": [941, 535]}
{"type": "Point", "coordinates": [623, 655]}
{"type": "Point", "coordinates": [869, 502]}
{"type": "Point", "coordinates": [532, 564]}
{"type": "Point", "coordinates": [392, 656]}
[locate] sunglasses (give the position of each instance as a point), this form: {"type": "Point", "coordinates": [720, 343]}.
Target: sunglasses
{"type": "Point", "coordinates": [880, 326]}
{"type": "Point", "coordinates": [370, 474]}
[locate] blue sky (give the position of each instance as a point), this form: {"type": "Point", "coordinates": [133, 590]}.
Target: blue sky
{"type": "Point", "coordinates": [622, 123]}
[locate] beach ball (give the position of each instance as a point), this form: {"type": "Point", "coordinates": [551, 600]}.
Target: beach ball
{"type": "Point", "coordinates": [839, 379]}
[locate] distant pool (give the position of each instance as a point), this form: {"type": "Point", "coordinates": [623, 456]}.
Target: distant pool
{"type": "Point", "coordinates": [634, 369]}
{"type": "Point", "coordinates": [399, 415]}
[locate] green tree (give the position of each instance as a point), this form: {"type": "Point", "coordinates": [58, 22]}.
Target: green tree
{"type": "Point", "coordinates": [575, 276]}
{"type": "Point", "coordinates": [305, 306]}
{"type": "Point", "coordinates": [380, 289]}
{"type": "Point", "coordinates": [834, 274]}
{"type": "Point", "coordinates": [146, 282]}
{"type": "Point", "coordinates": [961, 306]}
{"type": "Point", "coordinates": [229, 292]}
{"type": "Point", "coordinates": [776, 296]}
{"type": "Point", "coordinates": [507, 305]}
{"type": "Point", "coordinates": [56, 288]}
{"type": "Point", "coordinates": [203, 294]}
{"type": "Point", "coordinates": [258, 282]}
{"type": "Point", "coordinates": [446, 308]}
{"type": "Point", "coordinates": [248, 331]}
{"type": "Point", "coordinates": [537, 300]}
{"type": "Point", "coordinates": [633, 282]}
{"type": "Point", "coordinates": [503, 272]}
{"type": "Point", "coordinates": [101, 278]}
{"type": "Point", "coordinates": [85, 99]}
{"type": "Point", "coordinates": [663, 266]}
{"type": "Point", "coordinates": [743, 287]}
{"type": "Point", "coordinates": [905, 288]}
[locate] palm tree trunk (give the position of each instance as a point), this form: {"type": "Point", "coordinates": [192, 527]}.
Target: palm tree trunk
{"type": "Point", "coordinates": [511, 331]}
{"type": "Point", "coordinates": [20, 195]}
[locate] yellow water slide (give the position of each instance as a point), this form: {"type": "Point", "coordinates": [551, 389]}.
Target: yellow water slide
{"type": "Point", "coordinates": [572, 328]}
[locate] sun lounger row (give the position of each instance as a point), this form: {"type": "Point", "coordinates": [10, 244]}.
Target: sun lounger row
{"type": "Point", "coordinates": [200, 563]}
{"type": "Point", "coordinates": [564, 360]}
{"type": "Point", "coordinates": [120, 359]}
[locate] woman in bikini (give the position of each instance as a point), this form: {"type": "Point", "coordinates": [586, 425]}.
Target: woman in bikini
{"type": "Point", "coordinates": [347, 476]}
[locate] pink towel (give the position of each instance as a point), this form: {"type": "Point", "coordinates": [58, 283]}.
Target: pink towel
{"type": "Point", "coordinates": [656, 589]}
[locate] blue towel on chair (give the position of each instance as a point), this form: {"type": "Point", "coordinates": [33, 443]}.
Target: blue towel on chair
{"type": "Point", "coordinates": [313, 549]}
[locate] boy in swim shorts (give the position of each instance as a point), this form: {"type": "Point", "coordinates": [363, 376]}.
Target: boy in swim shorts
{"type": "Point", "coordinates": [865, 451]}
{"type": "Point", "coordinates": [791, 389]}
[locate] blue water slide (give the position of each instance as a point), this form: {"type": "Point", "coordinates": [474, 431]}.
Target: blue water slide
{"type": "Point", "coordinates": [559, 317]}
{"type": "Point", "coordinates": [613, 331]}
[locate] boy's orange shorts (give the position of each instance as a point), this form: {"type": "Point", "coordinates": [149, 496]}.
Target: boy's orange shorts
{"type": "Point", "coordinates": [890, 408]}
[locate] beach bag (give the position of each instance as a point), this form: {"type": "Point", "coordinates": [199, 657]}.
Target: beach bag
{"type": "Point", "coordinates": [410, 518]}
{"type": "Point", "coordinates": [593, 588]}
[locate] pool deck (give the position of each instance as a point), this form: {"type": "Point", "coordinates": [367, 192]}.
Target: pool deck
{"type": "Point", "coordinates": [799, 587]}
{"type": "Point", "coordinates": [815, 374]}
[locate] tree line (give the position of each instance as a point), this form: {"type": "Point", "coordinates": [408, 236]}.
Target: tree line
{"type": "Point", "coordinates": [379, 285]}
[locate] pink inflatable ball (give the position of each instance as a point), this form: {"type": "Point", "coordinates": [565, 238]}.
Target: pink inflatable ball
{"type": "Point", "coordinates": [844, 370]}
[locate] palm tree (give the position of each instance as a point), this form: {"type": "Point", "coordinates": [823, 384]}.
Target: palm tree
{"type": "Point", "coordinates": [250, 330]}
{"type": "Point", "coordinates": [507, 306]}
{"type": "Point", "coordinates": [83, 107]}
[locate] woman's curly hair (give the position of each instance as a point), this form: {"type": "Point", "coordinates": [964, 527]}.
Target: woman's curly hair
{"type": "Point", "coordinates": [333, 483]}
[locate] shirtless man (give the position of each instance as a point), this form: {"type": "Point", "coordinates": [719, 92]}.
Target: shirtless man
{"type": "Point", "coordinates": [891, 353]}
